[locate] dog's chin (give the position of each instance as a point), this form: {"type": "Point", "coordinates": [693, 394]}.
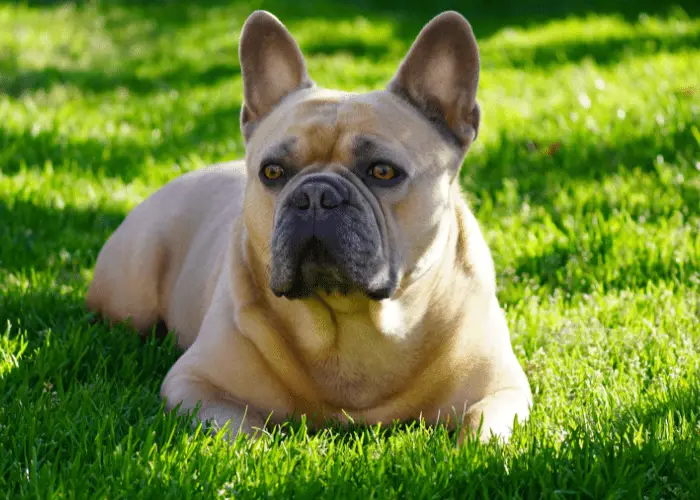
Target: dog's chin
{"type": "Point", "coordinates": [300, 290]}
{"type": "Point", "coordinates": [316, 280]}
{"type": "Point", "coordinates": [326, 281]}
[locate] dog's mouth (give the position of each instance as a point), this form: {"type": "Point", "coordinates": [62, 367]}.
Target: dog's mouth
{"type": "Point", "coordinates": [317, 271]}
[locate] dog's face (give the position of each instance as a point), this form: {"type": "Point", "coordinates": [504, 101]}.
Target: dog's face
{"type": "Point", "coordinates": [347, 193]}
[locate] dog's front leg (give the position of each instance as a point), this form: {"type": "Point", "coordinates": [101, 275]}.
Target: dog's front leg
{"type": "Point", "coordinates": [202, 376]}
{"type": "Point", "coordinates": [185, 389]}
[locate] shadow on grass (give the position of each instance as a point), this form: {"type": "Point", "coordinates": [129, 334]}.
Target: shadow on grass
{"type": "Point", "coordinates": [577, 267]}
{"type": "Point", "coordinates": [639, 452]}
{"type": "Point", "coordinates": [61, 339]}
{"type": "Point", "coordinates": [649, 449]}
{"type": "Point", "coordinates": [215, 135]}
{"type": "Point", "coordinates": [15, 82]}
{"type": "Point", "coordinates": [125, 159]}
{"type": "Point", "coordinates": [407, 18]}
{"type": "Point", "coordinates": [120, 157]}
{"type": "Point", "coordinates": [73, 379]}
{"type": "Point", "coordinates": [607, 460]}
{"type": "Point", "coordinates": [510, 157]}
{"type": "Point", "coordinates": [540, 176]}
{"type": "Point", "coordinates": [70, 374]}
{"type": "Point", "coordinates": [375, 51]}
{"type": "Point", "coordinates": [36, 238]}
{"type": "Point", "coordinates": [491, 15]}
{"type": "Point", "coordinates": [602, 52]}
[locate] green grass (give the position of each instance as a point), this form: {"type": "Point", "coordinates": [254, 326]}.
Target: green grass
{"type": "Point", "coordinates": [585, 178]}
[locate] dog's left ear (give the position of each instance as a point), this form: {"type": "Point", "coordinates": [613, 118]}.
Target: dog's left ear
{"type": "Point", "coordinates": [272, 67]}
{"type": "Point", "coordinates": [440, 76]}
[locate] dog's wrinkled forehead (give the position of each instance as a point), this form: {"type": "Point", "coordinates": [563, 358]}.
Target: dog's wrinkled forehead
{"type": "Point", "coordinates": [319, 126]}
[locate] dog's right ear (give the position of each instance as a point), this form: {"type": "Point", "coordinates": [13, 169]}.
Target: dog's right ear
{"type": "Point", "coordinates": [272, 67]}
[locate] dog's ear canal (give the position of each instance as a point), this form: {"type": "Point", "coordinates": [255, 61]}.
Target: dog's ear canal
{"type": "Point", "coordinates": [440, 76]}
{"type": "Point", "coordinates": [272, 67]}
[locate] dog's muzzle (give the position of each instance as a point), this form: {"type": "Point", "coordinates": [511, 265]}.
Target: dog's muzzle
{"type": "Point", "coordinates": [326, 237]}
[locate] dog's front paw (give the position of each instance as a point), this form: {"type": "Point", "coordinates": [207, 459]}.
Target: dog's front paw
{"type": "Point", "coordinates": [230, 421]}
{"type": "Point", "coordinates": [207, 404]}
{"type": "Point", "coordinates": [494, 416]}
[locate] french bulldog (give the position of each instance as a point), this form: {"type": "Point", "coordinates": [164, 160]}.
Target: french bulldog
{"type": "Point", "coordinates": [336, 272]}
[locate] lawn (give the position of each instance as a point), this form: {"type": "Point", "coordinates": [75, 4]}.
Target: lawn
{"type": "Point", "coordinates": [585, 179]}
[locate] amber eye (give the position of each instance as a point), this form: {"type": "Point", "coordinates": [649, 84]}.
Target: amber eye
{"type": "Point", "coordinates": [273, 172]}
{"type": "Point", "coordinates": [383, 172]}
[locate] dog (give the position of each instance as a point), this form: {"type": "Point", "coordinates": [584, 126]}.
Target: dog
{"type": "Point", "coordinates": [336, 272]}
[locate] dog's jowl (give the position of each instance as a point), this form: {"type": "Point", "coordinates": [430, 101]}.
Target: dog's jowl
{"type": "Point", "coordinates": [336, 272]}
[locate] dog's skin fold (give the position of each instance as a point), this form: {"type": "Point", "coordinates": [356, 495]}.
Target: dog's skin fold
{"type": "Point", "coordinates": [337, 271]}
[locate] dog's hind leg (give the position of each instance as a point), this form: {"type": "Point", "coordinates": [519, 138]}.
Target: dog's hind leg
{"type": "Point", "coordinates": [126, 280]}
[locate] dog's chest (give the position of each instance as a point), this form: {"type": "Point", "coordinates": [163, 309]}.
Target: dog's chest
{"type": "Point", "coordinates": [361, 368]}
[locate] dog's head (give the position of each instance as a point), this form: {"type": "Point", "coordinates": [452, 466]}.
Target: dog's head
{"type": "Point", "coordinates": [348, 192]}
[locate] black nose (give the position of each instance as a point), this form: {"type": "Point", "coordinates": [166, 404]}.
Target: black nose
{"type": "Point", "coordinates": [319, 194]}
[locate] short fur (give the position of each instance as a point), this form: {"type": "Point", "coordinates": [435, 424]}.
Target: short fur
{"type": "Point", "coordinates": [199, 255]}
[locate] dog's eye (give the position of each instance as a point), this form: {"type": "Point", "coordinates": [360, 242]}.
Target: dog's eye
{"type": "Point", "coordinates": [383, 172]}
{"type": "Point", "coordinates": [272, 172]}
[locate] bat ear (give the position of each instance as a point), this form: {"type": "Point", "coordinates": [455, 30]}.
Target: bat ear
{"type": "Point", "coordinates": [272, 67]}
{"type": "Point", "coordinates": [440, 75]}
